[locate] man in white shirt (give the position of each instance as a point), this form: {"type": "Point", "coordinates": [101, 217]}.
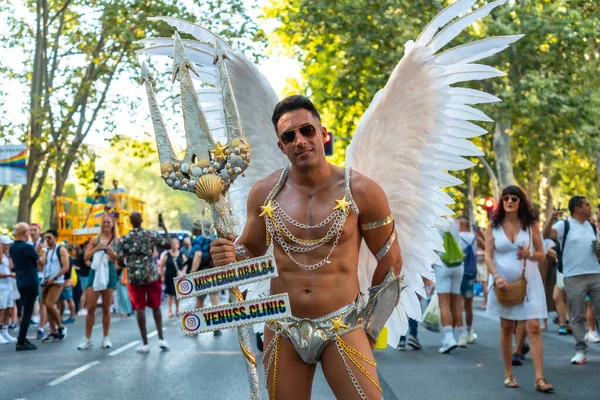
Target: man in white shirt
{"type": "Point", "coordinates": [581, 268]}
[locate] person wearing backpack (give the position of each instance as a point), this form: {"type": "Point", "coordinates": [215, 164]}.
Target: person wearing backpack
{"type": "Point", "coordinates": [469, 245]}
{"type": "Point", "coordinates": [580, 265]}
{"type": "Point", "coordinates": [448, 278]}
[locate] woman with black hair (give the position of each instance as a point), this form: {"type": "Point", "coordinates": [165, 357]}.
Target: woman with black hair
{"type": "Point", "coordinates": [513, 250]}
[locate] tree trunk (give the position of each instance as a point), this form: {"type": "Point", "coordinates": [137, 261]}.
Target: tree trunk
{"type": "Point", "coordinates": [546, 191]}
{"type": "Point", "coordinates": [502, 151]}
{"type": "Point", "coordinates": [531, 184]}
{"type": "Point", "coordinates": [470, 197]}
{"type": "Point", "coordinates": [36, 112]}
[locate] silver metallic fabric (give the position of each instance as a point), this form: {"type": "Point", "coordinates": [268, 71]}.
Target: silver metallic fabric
{"type": "Point", "coordinates": [310, 337]}
{"type": "Point", "coordinates": [383, 298]}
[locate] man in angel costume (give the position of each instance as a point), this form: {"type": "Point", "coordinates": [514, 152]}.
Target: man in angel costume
{"type": "Point", "coordinates": [345, 240]}
{"type": "Point", "coordinates": [317, 214]}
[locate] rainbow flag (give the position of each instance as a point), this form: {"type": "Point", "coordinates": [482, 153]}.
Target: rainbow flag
{"type": "Point", "coordinates": [98, 212]}
{"type": "Point", "coordinates": [13, 164]}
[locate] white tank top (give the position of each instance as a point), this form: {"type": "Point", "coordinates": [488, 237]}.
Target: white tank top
{"type": "Point", "coordinates": [53, 266]}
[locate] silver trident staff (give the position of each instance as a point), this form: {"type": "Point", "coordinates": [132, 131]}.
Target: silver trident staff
{"type": "Point", "coordinates": [208, 169]}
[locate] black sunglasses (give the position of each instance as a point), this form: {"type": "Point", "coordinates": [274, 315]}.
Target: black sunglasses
{"type": "Point", "coordinates": [514, 199]}
{"type": "Point", "coordinates": [307, 131]}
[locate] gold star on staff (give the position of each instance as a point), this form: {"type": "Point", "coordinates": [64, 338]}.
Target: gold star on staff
{"type": "Point", "coordinates": [219, 150]}
{"type": "Point", "coordinates": [337, 324]}
{"type": "Point", "coordinates": [267, 210]}
{"type": "Point", "coordinates": [342, 204]}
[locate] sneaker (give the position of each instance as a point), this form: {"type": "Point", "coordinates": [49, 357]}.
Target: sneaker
{"type": "Point", "coordinates": [162, 344]}
{"type": "Point", "coordinates": [143, 349]}
{"type": "Point", "coordinates": [69, 321]}
{"type": "Point", "coordinates": [3, 341]}
{"type": "Point", "coordinates": [4, 334]}
{"type": "Point", "coordinates": [414, 342]}
{"type": "Point", "coordinates": [51, 338]}
{"type": "Point", "coordinates": [62, 333]}
{"type": "Point", "coordinates": [592, 337]}
{"type": "Point", "coordinates": [25, 346]}
{"type": "Point", "coordinates": [106, 344]}
{"type": "Point", "coordinates": [12, 326]}
{"type": "Point", "coordinates": [579, 359]}
{"type": "Point", "coordinates": [40, 334]}
{"type": "Point", "coordinates": [401, 344]}
{"type": "Point", "coordinates": [562, 331]}
{"type": "Point", "coordinates": [85, 344]}
{"type": "Point", "coordinates": [462, 339]}
{"type": "Point", "coordinates": [472, 338]}
{"type": "Point", "coordinates": [448, 345]}
{"type": "Point", "coordinates": [82, 312]}
{"type": "Point", "coordinates": [217, 333]}
{"type": "Point", "coordinates": [517, 359]}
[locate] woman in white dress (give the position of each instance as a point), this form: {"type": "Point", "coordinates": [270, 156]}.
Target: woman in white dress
{"type": "Point", "coordinates": [513, 241]}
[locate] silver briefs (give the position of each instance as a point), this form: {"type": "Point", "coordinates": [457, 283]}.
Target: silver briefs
{"type": "Point", "coordinates": [310, 337]}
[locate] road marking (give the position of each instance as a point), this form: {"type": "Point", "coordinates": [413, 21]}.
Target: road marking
{"type": "Point", "coordinates": [123, 348]}
{"type": "Point", "coordinates": [73, 373]}
{"type": "Point", "coordinates": [112, 322]}
{"type": "Point", "coordinates": [156, 332]}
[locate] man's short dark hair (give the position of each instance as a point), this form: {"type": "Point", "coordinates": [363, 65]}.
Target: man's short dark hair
{"type": "Point", "coordinates": [463, 217]}
{"type": "Point", "coordinates": [53, 233]}
{"type": "Point", "coordinates": [575, 201]}
{"type": "Point", "coordinates": [293, 103]}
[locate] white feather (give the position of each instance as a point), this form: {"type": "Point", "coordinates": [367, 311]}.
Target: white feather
{"type": "Point", "coordinates": [418, 125]}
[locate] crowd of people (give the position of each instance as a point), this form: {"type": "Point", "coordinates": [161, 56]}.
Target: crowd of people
{"type": "Point", "coordinates": [49, 284]}
{"type": "Point", "coordinates": [554, 267]}
{"type": "Point", "coordinates": [525, 270]}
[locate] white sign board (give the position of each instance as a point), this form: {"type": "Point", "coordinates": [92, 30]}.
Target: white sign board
{"type": "Point", "coordinates": [13, 164]}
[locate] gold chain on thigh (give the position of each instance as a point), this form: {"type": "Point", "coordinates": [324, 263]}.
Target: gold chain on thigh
{"type": "Point", "coordinates": [346, 350]}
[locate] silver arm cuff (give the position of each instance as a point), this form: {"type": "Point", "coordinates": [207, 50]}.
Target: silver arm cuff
{"type": "Point", "coordinates": [383, 298]}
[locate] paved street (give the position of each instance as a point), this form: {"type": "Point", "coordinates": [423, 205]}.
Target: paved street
{"type": "Point", "coordinates": [209, 368]}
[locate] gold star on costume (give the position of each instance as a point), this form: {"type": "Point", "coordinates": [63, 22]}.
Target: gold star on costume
{"type": "Point", "coordinates": [337, 324]}
{"type": "Point", "coordinates": [219, 150]}
{"type": "Point", "coordinates": [267, 210]}
{"type": "Point", "coordinates": [342, 204]}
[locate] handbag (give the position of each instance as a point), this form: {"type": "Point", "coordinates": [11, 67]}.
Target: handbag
{"type": "Point", "coordinates": [516, 292]}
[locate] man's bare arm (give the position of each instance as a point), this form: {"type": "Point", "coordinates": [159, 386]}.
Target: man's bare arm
{"type": "Point", "coordinates": [196, 261]}
{"type": "Point", "coordinates": [382, 239]}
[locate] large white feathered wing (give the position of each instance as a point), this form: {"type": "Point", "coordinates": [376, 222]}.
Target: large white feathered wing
{"type": "Point", "coordinates": [254, 96]}
{"type": "Point", "coordinates": [414, 131]}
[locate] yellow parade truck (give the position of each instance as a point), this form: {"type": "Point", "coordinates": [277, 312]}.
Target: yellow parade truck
{"type": "Point", "coordinates": [79, 218]}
